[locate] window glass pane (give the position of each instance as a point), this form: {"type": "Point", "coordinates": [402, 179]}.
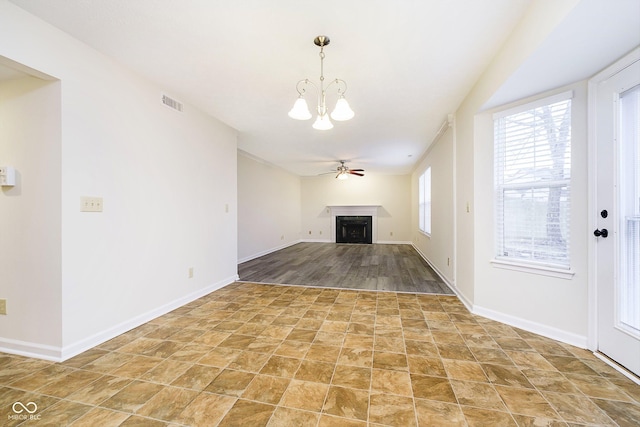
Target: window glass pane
{"type": "Point", "coordinates": [427, 201]}
{"type": "Point", "coordinates": [421, 202]}
{"type": "Point", "coordinates": [532, 180]}
{"type": "Point", "coordinates": [629, 221]}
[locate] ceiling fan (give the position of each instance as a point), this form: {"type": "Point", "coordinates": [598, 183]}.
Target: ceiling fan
{"type": "Point", "coordinates": [345, 171]}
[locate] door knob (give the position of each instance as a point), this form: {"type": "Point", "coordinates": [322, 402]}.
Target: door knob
{"type": "Point", "coordinates": [604, 233]}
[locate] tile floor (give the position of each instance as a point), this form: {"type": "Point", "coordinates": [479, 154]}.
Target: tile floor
{"type": "Point", "coordinates": [267, 355]}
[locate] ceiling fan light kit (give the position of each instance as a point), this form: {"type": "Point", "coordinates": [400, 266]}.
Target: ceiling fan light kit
{"type": "Point", "coordinates": [341, 112]}
{"type": "Point", "coordinates": [344, 171]}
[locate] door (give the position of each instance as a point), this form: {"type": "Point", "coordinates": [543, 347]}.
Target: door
{"type": "Point", "coordinates": [618, 216]}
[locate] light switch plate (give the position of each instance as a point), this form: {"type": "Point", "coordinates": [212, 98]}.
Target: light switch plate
{"type": "Point", "coordinates": [90, 204]}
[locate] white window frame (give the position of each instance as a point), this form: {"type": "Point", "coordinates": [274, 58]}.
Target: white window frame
{"type": "Point", "coordinates": [424, 202]}
{"type": "Point", "coordinates": [548, 267]}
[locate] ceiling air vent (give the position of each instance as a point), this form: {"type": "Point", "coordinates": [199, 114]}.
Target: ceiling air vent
{"type": "Point", "coordinates": [172, 103]}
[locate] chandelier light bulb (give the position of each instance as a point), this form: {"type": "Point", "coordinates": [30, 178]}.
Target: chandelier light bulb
{"type": "Point", "coordinates": [300, 110]}
{"type": "Point", "coordinates": [342, 111]}
{"type": "Point", "coordinates": [343, 175]}
{"type": "Point", "coordinates": [322, 123]}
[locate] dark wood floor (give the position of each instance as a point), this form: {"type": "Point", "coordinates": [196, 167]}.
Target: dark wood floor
{"type": "Point", "coordinates": [397, 268]}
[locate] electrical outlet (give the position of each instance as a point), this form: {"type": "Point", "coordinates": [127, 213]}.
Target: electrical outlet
{"type": "Point", "coordinates": [391, 233]}
{"type": "Point", "coordinates": [190, 272]}
{"type": "Point", "coordinates": [309, 232]}
{"type": "Point", "coordinates": [320, 232]}
{"type": "Point", "coordinates": [3, 306]}
{"type": "Point", "coordinates": [90, 204]}
{"type": "Point", "coordinates": [282, 237]}
{"type": "Point", "coordinates": [448, 261]}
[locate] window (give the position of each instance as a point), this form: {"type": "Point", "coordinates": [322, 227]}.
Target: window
{"type": "Point", "coordinates": [532, 163]}
{"type": "Point", "coordinates": [424, 201]}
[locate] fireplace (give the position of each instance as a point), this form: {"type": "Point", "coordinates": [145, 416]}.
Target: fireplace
{"type": "Point", "coordinates": [353, 229]}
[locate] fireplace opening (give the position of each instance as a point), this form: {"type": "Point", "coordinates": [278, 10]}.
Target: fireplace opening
{"type": "Point", "coordinates": [353, 229]}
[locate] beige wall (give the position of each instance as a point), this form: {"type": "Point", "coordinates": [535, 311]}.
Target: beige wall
{"type": "Point", "coordinates": [268, 208]}
{"type": "Point", "coordinates": [168, 181]}
{"type": "Point", "coordinates": [30, 212]}
{"type": "Point", "coordinates": [391, 192]}
{"type": "Point", "coordinates": [552, 305]}
{"type": "Point", "coordinates": [438, 247]}
{"type": "Point", "coordinates": [535, 302]}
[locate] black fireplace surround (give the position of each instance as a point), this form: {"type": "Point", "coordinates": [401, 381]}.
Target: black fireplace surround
{"type": "Point", "coordinates": [353, 229]}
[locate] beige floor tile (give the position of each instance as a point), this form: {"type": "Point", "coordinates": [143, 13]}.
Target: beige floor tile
{"type": "Point", "coordinates": [166, 371]}
{"type": "Point", "coordinates": [526, 402]}
{"type": "Point", "coordinates": [625, 413]}
{"type": "Point", "coordinates": [100, 390]}
{"type": "Point", "coordinates": [100, 417]}
{"type": "Point", "coordinates": [432, 413]}
{"type": "Point", "coordinates": [289, 417]}
{"type": "Point", "coordinates": [352, 377]}
{"type": "Point", "coordinates": [251, 354]}
{"type": "Point", "coordinates": [206, 410]}
{"type": "Point", "coordinates": [314, 371]}
{"type": "Point", "coordinates": [61, 414]}
{"type": "Point", "coordinates": [396, 361]}
{"type": "Point", "coordinates": [464, 370]}
{"type": "Point", "coordinates": [390, 410]}
{"type": "Point", "coordinates": [64, 386]}
{"type": "Point", "coordinates": [432, 388]}
{"type": "Point", "coordinates": [230, 383]}
{"type": "Point", "coordinates": [197, 377]}
{"type": "Point", "coordinates": [426, 365]}
{"type": "Point", "coordinates": [266, 389]}
{"type": "Point", "coordinates": [132, 397]}
{"type": "Point", "coordinates": [477, 417]}
{"type": "Point", "coordinates": [168, 404]}
{"type": "Point", "coordinates": [578, 409]}
{"type": "Point", "coordinates": [347, 403]}
{"type": "Point", "coordinates": [305, 395]}
{"type": "Point", "coordinates": [480, 395]}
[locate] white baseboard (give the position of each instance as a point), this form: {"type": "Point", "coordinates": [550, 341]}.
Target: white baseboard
{"type": "Point", "coordinates": [535, 327]}
{"type": "Point", "coordinates": [392, 242]}
{"type": "Point", "coordinates": [30, 349]}
{"type": "Point", "coordinates": [268, 251]}
{"type": "Point", "coordinates": [316, 241]}
{"type": "Point", "coordinates": [518, 322]}
{"type": "Point", "coordinates": [438, 272]}
{"type": "Point", "coordinates": [60, 354]}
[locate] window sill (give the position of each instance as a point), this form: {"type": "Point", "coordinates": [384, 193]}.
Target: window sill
{"type": "Point", "coordinates": [424, 233]}
{"type": "Point", "coordinates": [540, 269]}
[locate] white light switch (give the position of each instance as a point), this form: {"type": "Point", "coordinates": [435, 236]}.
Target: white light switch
{"type": "Point", "coordinates": [7, 176]}
{"type": "Point", "coordinates": [90, 204]}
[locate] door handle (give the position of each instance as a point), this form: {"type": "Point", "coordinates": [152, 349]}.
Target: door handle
{"type": "Point", "coordinates": [601, 233]}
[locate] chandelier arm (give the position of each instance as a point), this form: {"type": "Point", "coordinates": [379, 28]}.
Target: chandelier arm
{"type": "Point", "coordinates": [339, 82]}
{"type": "Point", "coordinates": [301, 86]}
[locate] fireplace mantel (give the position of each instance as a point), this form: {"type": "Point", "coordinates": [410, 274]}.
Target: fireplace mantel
{"type": "Point", "coordinates": [355, 210]}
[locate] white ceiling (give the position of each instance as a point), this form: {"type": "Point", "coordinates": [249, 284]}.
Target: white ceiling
{"type": "Point", "coordinates": [408, 64]}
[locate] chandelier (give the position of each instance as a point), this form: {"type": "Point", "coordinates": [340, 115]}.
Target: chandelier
{"type": "Point", "coordinates": [341, 112]}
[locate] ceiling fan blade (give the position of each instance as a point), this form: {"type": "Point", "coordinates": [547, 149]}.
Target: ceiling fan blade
{"type": "Point", "coordinates": [356, 173]}
{"type": "Point", "coordinates": [357, 170]}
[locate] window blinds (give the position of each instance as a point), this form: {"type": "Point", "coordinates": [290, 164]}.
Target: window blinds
{"type": "Point", "coordinates": [532, 161]}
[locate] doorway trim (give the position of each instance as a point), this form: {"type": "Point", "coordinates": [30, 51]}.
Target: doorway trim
{"type": "Point", "coordinates": [592, 322]}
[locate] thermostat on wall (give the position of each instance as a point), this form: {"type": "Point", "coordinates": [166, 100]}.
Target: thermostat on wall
{"type": "Point", "coordinates": [7, 176]}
